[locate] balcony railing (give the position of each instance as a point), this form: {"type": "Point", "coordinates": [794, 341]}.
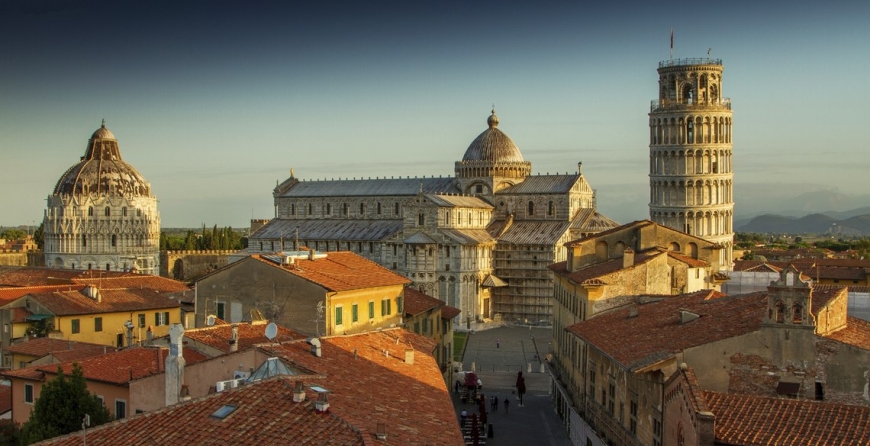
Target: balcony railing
{"type": "Point", "coordinates": [674, 105]}
{"type": "Point", "coordinates": [689, 61]}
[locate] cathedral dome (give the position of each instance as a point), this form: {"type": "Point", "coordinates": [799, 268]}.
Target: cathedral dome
{"type": "Point", "coordinates": [493, 145]}
{"type": "Point", "coordinates": [102, 171]}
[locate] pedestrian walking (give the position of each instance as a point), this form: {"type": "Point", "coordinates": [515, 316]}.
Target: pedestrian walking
{"type": "Point", "coordinates": [507, 404]}
{"type": "Point", "coordinates": [497, 343]}
{"type": "Point", "coordinates": [495, 404]}
{"type": "Point", "coordinates": [521, 387]}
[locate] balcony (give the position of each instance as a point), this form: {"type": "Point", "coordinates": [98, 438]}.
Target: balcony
{"type": "Point", "coordinates": [674, 105]}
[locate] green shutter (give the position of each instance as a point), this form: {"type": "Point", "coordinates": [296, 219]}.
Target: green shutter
{"type": "Point", "coordinates": [338, 320]}
{"type": "Point", "coordinates": [371, 310]}
{"type": "Point", "coordinates": [355, 313]}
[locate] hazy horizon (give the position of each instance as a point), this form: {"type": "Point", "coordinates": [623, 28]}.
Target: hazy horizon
{"type": "Point", "coordinates": [213, 102]}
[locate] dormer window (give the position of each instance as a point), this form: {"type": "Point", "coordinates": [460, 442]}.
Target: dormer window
{"type": "Point", "coordinates": [108, 211]}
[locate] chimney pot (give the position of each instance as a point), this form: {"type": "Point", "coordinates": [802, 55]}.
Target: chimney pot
{"type": "Point", "coordinates": [298, 392]}
{"type": "Point", "coordinates": [628, 258]}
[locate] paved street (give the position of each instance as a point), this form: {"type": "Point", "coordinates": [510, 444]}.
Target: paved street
{"type": "Point", "coordinates": [534, 424]}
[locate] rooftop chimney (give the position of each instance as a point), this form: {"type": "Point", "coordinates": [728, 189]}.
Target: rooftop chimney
{"type": "Point", "coordinates": [409, 356]}
{"type": "Point", "coordinates": [632, 312]}
{"type": "Point", "coordinates": [92, 292]}
{"type": "Point", "coordinates": [174, 376]}
{"type": "Point", "coordinates": [322, 403]}
{"type": "Point", "coordinates": [315, 347]}
{"type": "Point", "coordinates": [234, 338]}
{"type": "Point", "coordinates": [628, 258]}
{"type": "Point", "coordinates": [298, 392]}
{"type": "Point", "coordinates": [310, 254]}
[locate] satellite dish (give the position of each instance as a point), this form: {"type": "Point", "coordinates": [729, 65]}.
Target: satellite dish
{"type": "Point", "coordinates": [209, 320]}
{"type": "Point", "coordinates": [271, 331]}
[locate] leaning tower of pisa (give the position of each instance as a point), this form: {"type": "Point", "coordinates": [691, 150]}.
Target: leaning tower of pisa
{"type": "Point", "coordinates": [690, 152]}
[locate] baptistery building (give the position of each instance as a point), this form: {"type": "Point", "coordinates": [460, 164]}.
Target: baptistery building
{"type": "Point", "coordinates": [102, 214]}
{"type": "Point", "coordinates": [480, 240]}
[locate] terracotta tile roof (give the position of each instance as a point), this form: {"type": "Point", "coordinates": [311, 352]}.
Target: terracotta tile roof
{"type": "Point", "coordinates": [117, 368]}
{"type": "Point", "coordinates": [40, 347]}
{"type": "Point", "coordinates": [417, 302]}
{"type": "Point", "coordinates": [9, 294]}
{"type": "Point", "coordinates": [63, 303]}
{"type": "Point", "coordinates": [656, 334]}
{"type": "Point", "coordinates": [377, 388]}
{"type": "Point", "coordinates": [823, 296]}
{"type": "Point", "coordinates": [36, 276]}
{"type": "Point", "coordinates": [5, 398]}
{"type": "Point", "coordinates": [265, 414]}
{"type": "Point", "coordinates": [691, 261]}
{"type": "Point", "coordinates": [340, 271]}
{"type": "Point", "coordinates": [756, 420]}
{"type": "Point", "coordinates": [634, 224]}
{"type": "Point", "coordinates": [145, 281]}
{"type": "Point", "coordinates": [218, 336]}
{"type": "Point", "coordinates": [448, 312]}
{"type": "Point", "coordinates": [604, 268]}
{"type": "Point", "coordinates": [856, 333]}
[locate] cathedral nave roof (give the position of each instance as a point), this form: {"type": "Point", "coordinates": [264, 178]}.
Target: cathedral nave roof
{"type": "Point", "coordinates": [371, 187]}
{"type": "Point", "coordinates": [544, 184]}
{"type": "Point", "coordinates": [535, 232]}
{"type": "Point", "coordinates": [328, 229]}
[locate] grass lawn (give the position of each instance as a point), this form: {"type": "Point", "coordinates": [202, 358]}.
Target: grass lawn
{"type": "Point", "coordinates": [459, 340]}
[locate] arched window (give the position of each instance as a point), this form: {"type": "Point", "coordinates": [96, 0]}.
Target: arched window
{"type": "Point", "coordinates": [90, 211]}
{"type": "Point", "coordinates": [108, 267]}
{"type": "Point", "coordinates": [379, 208]}
{"type": "Point", "coordinates": [421, 219]}
{"type": "Point", "coordinates": [138, 212]}
{"type": "Point", "coordinates": [114, 240]}
{"type": "Point", "coordinates": [674, 246]}
{"type": "Point", "coordinates": [345, 209]}
{"type": "Point", "coordinates": [310, 208]}
{"type": "Point", "coordinates": [478, 189]}
{"type": "Point", "coordinates": [108, 211]}
{"type": "Point", "coordinates": [531, 211]}
{"type": "Point", "coordinates": [328, 208]}
{"type": "Point", "coordinates": [780, 312]}
{"type": "Point", "coordinates": [601, 250]}
{"type": "Point", "coordinates": [84, 240]}
{"type": "Point", "coordinates": [124, 211]}
{"type": "Point", "coordinates": [551, 208]}
{"type": "Point", "coordinates": [797, 314]}
{"type": "Point", "coordinates": [292, 208]}
{"type": "Point", "coordinates": [397, 209]}
{"type": "Point", "coordinates": [362, 209]}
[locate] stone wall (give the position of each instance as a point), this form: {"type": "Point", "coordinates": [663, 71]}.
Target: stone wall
{"type": "Point", "coordinates": [19, 258]}
{"type": "Point", "coordinates": [191, 265]}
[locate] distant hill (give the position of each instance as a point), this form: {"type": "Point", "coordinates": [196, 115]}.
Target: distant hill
{"type": "Point", "coordinates": [813, 223]}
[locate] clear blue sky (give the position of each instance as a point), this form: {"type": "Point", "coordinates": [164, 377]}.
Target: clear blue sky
{"type": "Point", "coordinates": [214, 101]}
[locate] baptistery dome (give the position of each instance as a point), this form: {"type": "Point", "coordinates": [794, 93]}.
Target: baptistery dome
{"type": "Point", "coordinates": [102, 171]}
{"type": "Point", "coordinates": [493, 145]}
{"type": "Point", "coordinates": [102, 214]}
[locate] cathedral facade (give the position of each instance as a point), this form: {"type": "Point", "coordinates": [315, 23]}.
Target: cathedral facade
{"type": "Point", "coordinates": [480, 241]}
{"type": "Point", "coordinates": [102, 214]}
{"type": "Point", "coordinates": [691, 176]}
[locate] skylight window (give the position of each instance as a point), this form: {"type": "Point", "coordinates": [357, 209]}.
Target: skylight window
{"type": "Point", "coordinates": [318, 389]}
{"type": "Point", "coordinates": [224, 411]}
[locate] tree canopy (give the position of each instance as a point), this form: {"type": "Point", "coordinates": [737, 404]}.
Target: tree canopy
{"type": "Point", "coordinates": [62, 405]}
